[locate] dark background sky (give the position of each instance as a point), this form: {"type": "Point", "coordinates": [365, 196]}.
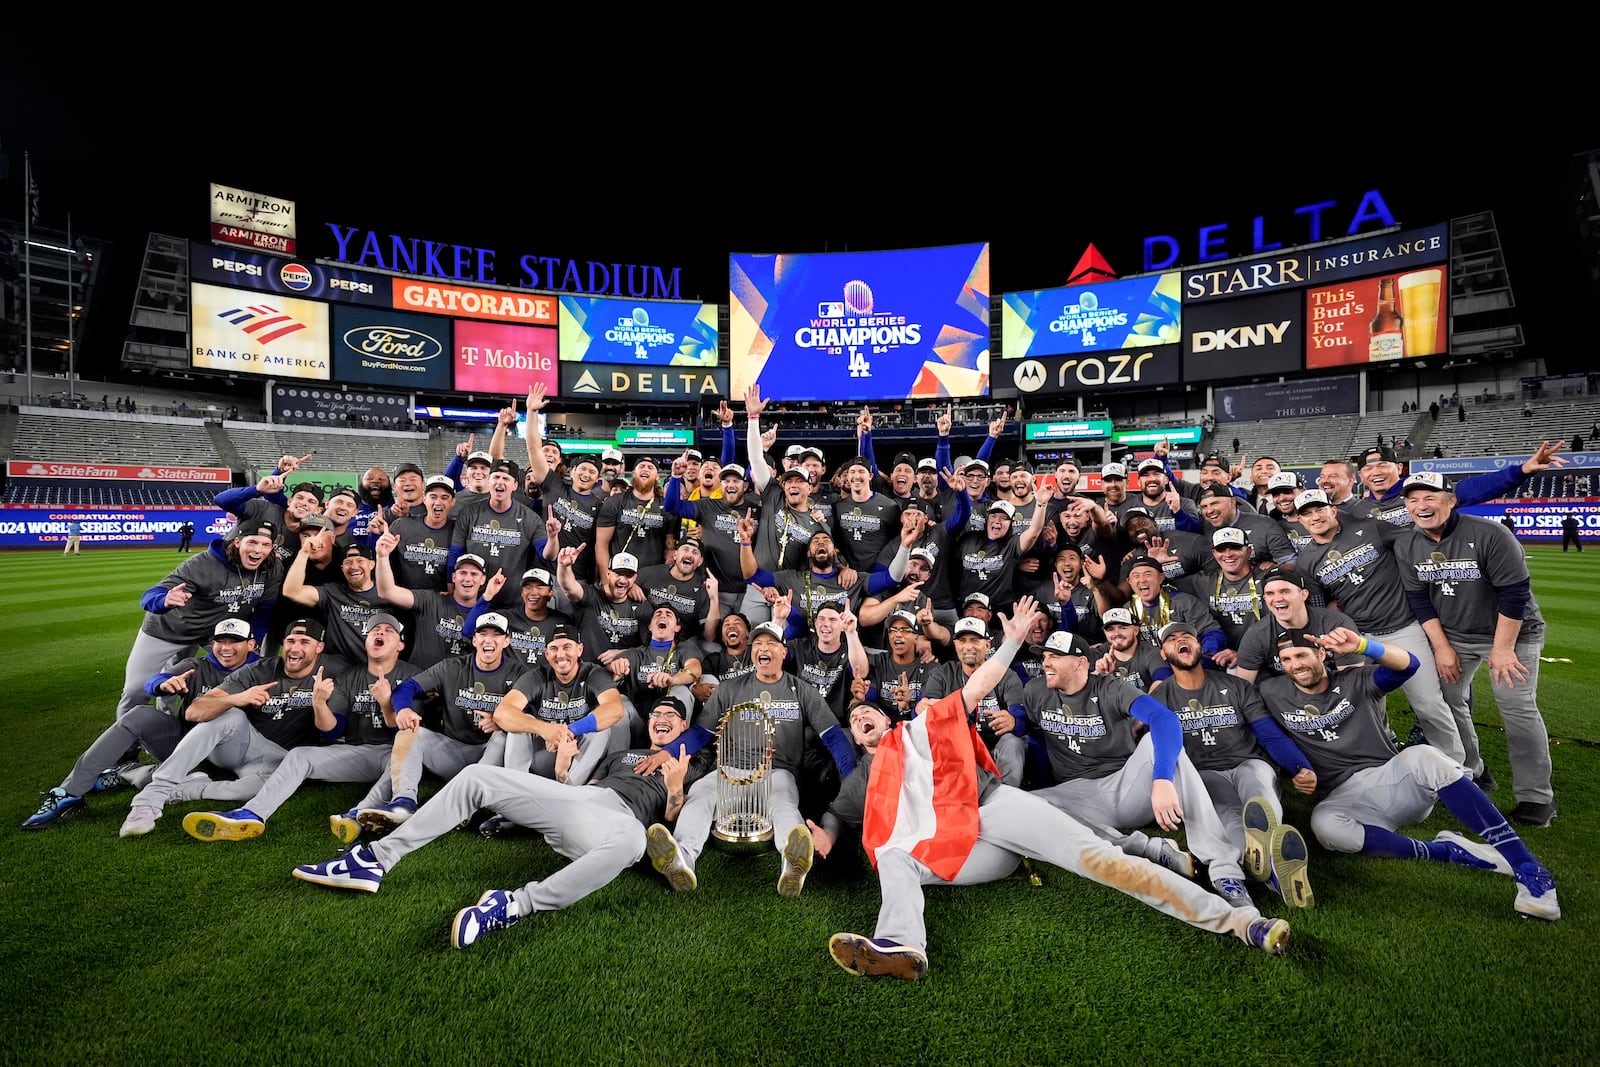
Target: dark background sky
{"type": "Point", "coordinates": [552, 163]}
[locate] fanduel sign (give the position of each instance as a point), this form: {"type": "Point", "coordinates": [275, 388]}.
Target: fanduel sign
{"type": "Point", "coordinates": [463, 263]}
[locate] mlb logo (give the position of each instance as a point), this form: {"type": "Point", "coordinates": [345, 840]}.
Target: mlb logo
{"type": "Point", "coordinates": [831, 309]}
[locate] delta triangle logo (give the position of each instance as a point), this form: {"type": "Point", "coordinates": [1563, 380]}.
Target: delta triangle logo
{"type": "Point", "coordinates": [586, 384]}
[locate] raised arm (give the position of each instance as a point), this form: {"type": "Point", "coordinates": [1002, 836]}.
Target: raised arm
{"type": "Point", "coordinates": [760, 473]}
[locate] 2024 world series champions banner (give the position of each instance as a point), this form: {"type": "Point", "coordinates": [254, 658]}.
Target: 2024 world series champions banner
{"type": "Point", "coordinates": [861, 325]}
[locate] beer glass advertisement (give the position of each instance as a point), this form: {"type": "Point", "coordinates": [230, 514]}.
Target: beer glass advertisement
{"type": "Point", "coordinates": [597, 329]}
{"type": "Point", "coordinates": [1245, 338]}
{"type": "Point", "coordinates": [1377, 320]}
{"type": "Point", "coordinates": [861, 325]}
{"type": "Point", "coordinates": [1100, 317]}
{"type": "Point", "coordinates": [243, 332]}
{"type": "Point", "coordinates": [391, 348]}
{"type": "Point", "coordinates": [493, 357]}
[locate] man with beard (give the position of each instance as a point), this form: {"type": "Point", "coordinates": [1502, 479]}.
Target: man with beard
{"type": "Point", "coordinates": [1159, 500]}
{"type": "Point", "coordinates": [1352, 561]}
{"type": "Point", "coordinates": [1288, 605]}
{"type": "Point", "coordinates": [1114, 486]}
{"type": "Point", "coordinates": [1154, 604]}
{"type": "Point", "coordinates": [1065, 491]}
{"type": "Point", "coordinates": [634, 521]}
{"type": "Point", "coordinates": [157, 728]}
{"type": "Point", "coordinates": [422, 560]}
{"type": "Point", "coordinates": [1110, 779]}
{"type": "Point", "coordinates": [1466, 578]}
{"type": "Point", "coordinates": [1232, 592]}
{"type": "Point", "coordinates": [610, 616]}
{"type": "Point", "coordinates": [927, 493]}
{"type": "Point", "coordinates": [570, 697]}
{"type": "Point", "coordinates": [1269, 545]}
{"type": "Point", "coordinates": [895, 678]}
{"type": "Point", "coordinates": [1380, 472]}
{"type": "Point", "coordinates": [1282, 488]}
{"type": "Point", "coordinates": [988, 559]}
{"type": "Point", "coordinates": [931, 539]}
{"type": "Point", "coordinates": [820, 656]}
{"type": "Point", "coordinates": [1124, 655]}
{"type": "Point", "coordinates": [914, 595]}
{"type": "Point", "coordinates": [718, 519]}
{"type": "Point", "coordinates": [822, 580]}
{"type": "Point", "coordinates": [998, 713]}
{"type": "Point", "coordinates": [598, 825]}
{"type": "Point", "coordinates": [498, 529]}
{"type": "Point", "coordinates": [442, 629]}
{"type": "Point", "coordinates": [684, 586]}
{"type": "Point", "coordinates": [247, 725]}
{"type": "Point", "coordinates": [785, 527]}
{"type": "Point", "coordinates": [984, 828]}
{"type": "Point", "coordinates": [1370, 790]}
{"type": "Point", "coordinates": [264, 502]}
{"type": "Point", "coordinates": [353, 706]}
{"type": "Point", "coordinates": [1338, 481]}
{"type": "Point", "coordinates": [1228, 734]}
{"type": "Point", "coordinates": [470, 688]}
{"type": "Point", "coordinates": [238, 578]}
{"type": "Point", "coordinates": [611, 462]}
{"type": "Point", "coordinates": [797, 712]}
{"type": "Point", "coordinates": [348, 606]}
{"type": "Point", "coordinates": [665, 665]}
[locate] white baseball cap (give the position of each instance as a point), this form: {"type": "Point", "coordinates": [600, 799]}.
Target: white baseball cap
{"type": "Point", "coordinates": [1310, 498]}
{"type": "Point", "coordinates": [1115, 616]}
{"type": "Point", "coordinates": [1228, 535]}
{"type": "Point", "coordinates": [1283, 480]}
{"type": "Point", "coordinates": [625, 561]}
{"type": "Point", "coordinates": [609, 454]}
{"type": "Point", "coordinates": [970, 625]}
{"type": "Point", "coordinates": [1113, 470]}
{"type": "Point", "coordinates": [536, 574]}
{"type": "Point", "coordinates": [492, 619]}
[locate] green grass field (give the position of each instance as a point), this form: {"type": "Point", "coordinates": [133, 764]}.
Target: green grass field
{"type": "Point", "coordinates": [165, 950]}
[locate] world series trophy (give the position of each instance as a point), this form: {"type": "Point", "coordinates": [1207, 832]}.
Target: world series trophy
{"type": "Point", "coordinates": [744, 756]}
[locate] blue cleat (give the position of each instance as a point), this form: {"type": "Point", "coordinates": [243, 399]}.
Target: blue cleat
{"type": "Point", "coordinates": [1269, 935]}
{"type": "Point", "coordinates": [491, 913]}
{"type": "Point", "coordinates": [356, 869]}
{"type": "Point", "coordinates": [1536, 893]}
{"type": "Point", "coordinates": [57, 805]}
{"type": "Point", "coordinates": [240, 824]}
{"type": "Point", "coordinates": [1234, 891]}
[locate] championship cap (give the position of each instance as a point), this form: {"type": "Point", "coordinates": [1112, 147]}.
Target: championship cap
{"type": "Point", "coordinates": [1005, 506]}
{"type": "Point", "coordinates": [673, 703]}
{"type": "Point", "coordinates": [694, 454]}
{"type": "Point", "coordinates": [479, 457]}
{"type": "Point", "coordinates": [1213, 460]}
{"type": "Point", "coordinates": [1117, 617]}
{"type": "Point", "coordinates": [307, 487]}
{"type": "Point", "coordinates": [1283, 480]}
{"type": "Point", "coordinates": [232, 628]}
{"type": "Point", "coordinates": [1278, 574]}
{"type": "Point", "coordinates": [585, 459]}
{"type": "Point", "coordinates": [969, 625]}
{"type": "Point", "coordinates": [1228, 535]}
{"type": "Point", "coordinates": [626, 562]}
{"type": "Point", "coordinates": [1310, 498]}
{"type": "Point", "coordinates": [981, 599]}
{"type": "Point", "coordinates": [902, 616]}
{"type": "Point", "coordinates": [611, 455]}
{"type": "Point", "coordinates": [793, 451]}
{"type": "Point", "coordinates": [1218, 491]}
{"type": "Point", "coordinates": [257, 528]}
{"type": "Point", "coordinates": [309, 627]}
{"type": "Point", "coordinates": [440, 481]}
{"type": "Point", "coordinates": [813, 450]}
{"type": "Point", "coordinates": [1141, 561]}
{"type": "Point", "coordinates": [904, 457]}
{"type": "Point", "coordinates": [1063, 643]}
{"type": "Point", "coordinates": [1377, 454]}
{"type": "Point", "coordinates": [357, 548]}
{"type": "Point", "coordinates": [922, 552]}
{"type": "Point", "coordinates": [1430, 480]}
{"type": "Point", "coordinates": [916, 503]}
{"type": "Point", "coordinates": [316, 522]}
{"type": "Point", "coordinates": [508, 467]}
{"type": "Point", "coordinates": [1113, 470]}
{"type": "Point", "coordinates": [1176, 626]}
{"type": "Point", "coordinates": [474, 559]}
{"type": "Point", "coordinates": [770, 629]}
{"type": "Point", "coordinates": [976, 464]}
{"type": "Point", "coordinates": [1151, 463]}
{"type": "Point", "coordinates": [857, 461]}
{"type": "Point", "coordinates": [1296, 637]}
{"type": "Point", "coordinates": [732, 468]}
{"type": "Point", "coordinates": [408, 468]}
{"type": "Point", "coordinates": [383, 618]}
{"type": "Point", "coordinates": [927, 463]}
{"type": "Point", "coordinates": [493, 620]}
{"type": "Point", "coordinates": [564, 632]}
{"type": "Point", "coordinates": [797, 472]}
{"type": "Point", "coordinates": [537, 575]}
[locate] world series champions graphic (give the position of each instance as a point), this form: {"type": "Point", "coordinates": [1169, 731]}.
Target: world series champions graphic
{"type": "Point", "coordinates": [861, 325]}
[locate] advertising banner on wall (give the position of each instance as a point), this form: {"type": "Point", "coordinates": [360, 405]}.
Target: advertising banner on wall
{"type": "Point", "coordinates": [1305, 398]}
{"type": "Point", "coordinates": [861, 325]}
{"type": "Point", "coordinates": [529, 309]}
{"type": "Point", "coordinates": [109, 527]}
{"type": "Point", "coordinates": [1540, 520]}
{"type": "Point", "coordinates": [596, 329]}
{"type": "Point", "coordinates": [250, 220]}
{"type": "Point", "coordinates": [265, 273]}
{"type": "Point", "coordinates": [241, 332]}
{"type": "Point", "coordinates": [1059, 375]}
{"type": "Point", "coordinates": [654, 437]}
{"type": "Point", "coordinates": [394, 349]}
{"type": "Point", "coordinates": [1374, 320]}
{"type": "Point", "coordinates": [1244, 338]}
{"type": "Point", "coordinates": [42, 468]}
{"type": "Point", "coordinates": [598, 382]}
{"type": "Point", "coordinates": [1401, 250]}
{"type": "Point", "coordinates": [1100, 317]}
{"type": "Point", "coordinates": [493, 357]}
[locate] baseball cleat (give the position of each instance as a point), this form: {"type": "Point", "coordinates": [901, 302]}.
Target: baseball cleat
{"type": "Point", "coordinates": [796, 862]}
{"type": "Point", "coordinates": [666, 858]}
{"type": "Point", "coordinates": [1289, 859]}
{"type": "Point", "coordinates": [1233, 890]}
{"type": "Point", "coordinates": [1269, 935]}
{"type": "Point", "coordinates": [57, 805]}
{"type": "Point", "coordinates": [356, 869]}
{"type": "Point", "coordinates": [345, 827]}
{"type": "Point", "coordinates": [140, 821]}
{"type": "Point", "coordinates": [1259, 822]}
{"type": "Point", "coordinates": [1169, 854]}
{"type": "Point", "coordinates": [1532, 813]}
{"type": "Point", "coordinates": [491, 913]}
{"type": "Point", "coordinates": [1469, 853]}
{"type": "Point", "coordinates": [386, 817]}
{"type": "Point", "coordinates": [1536, 893]}
{"type": "Point", "coordinates": [115, 777]}
{"type": "Point", "coordinates": [878, 958]}
{"type": "Point", "coordinates": [240, 824]}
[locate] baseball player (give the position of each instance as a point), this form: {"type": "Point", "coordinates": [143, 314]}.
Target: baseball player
{"type": "Point", "coordinates": [1370, 789]}
{"type": "Point", "coordinates": [998, 712]}
{"type": "Point", "coordinates": [976, 829]}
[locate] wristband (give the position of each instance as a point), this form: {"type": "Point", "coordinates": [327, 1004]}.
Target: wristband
{"type": "Point", "coordinates": [1371, 648]}
{"type": "Point", "coordinates": [1008, 650]}
{"type": "Point", "coordinates": [585, 725]}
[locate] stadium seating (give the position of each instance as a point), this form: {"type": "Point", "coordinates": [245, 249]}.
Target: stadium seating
{"type": "Point", "coordinates": [1502, 429]}
{"type": "Point", "coordinates": [100, 494]}
{"type": "Point", "coordinates": [107, 437]}
{"type": "Point", "coordinates": [1295, 442]}
{"type": "Point", "coordinates": [260, 446]}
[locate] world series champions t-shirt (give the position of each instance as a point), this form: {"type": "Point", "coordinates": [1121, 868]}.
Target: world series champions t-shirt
{"type": "Point", "coordinates": [1087, 734]}
{"type": "Point", "coordinates": [286, 718]}
{"type": "Point", "coordinates": [792, 705]}
{"type": "Point", "coordinates": [502, 538]}
{"type": "Point", "coordinates": [552, 700]}
{"type": "Point", "coordinates": [363, 716]}
{"type": "Point", "coordinates": [422, 559]}
{"type": "Point", "coordinates": [1341, 730]}
{"type": "Point", "coordinates": [470, 693]}
{"type": "Point", "coordinates": [1216, 720]}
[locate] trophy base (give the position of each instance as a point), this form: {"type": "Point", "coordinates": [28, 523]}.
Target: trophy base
{"type": "Point", "coordinates": [744, 836]}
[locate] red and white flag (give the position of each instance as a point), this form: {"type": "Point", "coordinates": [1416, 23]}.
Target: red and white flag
{"type": "Point", "coordinates": [922, 796]}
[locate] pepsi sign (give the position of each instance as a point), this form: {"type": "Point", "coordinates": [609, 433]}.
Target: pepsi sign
{"type": "Point", "coordinates": [241, 269]}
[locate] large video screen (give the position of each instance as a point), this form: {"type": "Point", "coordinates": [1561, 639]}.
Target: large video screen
{"type": "Point", "coordinates": [1100, 317]}
{"type": "Point", "coordinates": [494, 357]}
{"type": "Point", "coordinates": [241, 332]}
{"type": "Point", "coordinates": [397, 349]}
{"type": "Point", "coordinates": [1402, 315]}
{"type": "Point", "coordinates": [598, 329]}
{"type": "Point", "coordinates": [861, 325]}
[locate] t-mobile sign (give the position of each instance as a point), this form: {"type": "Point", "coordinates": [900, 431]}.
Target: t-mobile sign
{"type": "Point", "coordinates": [492, 357]}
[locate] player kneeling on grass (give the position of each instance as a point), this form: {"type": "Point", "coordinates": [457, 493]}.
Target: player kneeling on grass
{"type": "Point", "coordinates": [354, 705]}
{"type": "Point", "coordinates": [600, 826]}
{"type": "Point", "coordinates": [1340, 724]}
{"type": "Point", "coordinates": [933, 811]}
